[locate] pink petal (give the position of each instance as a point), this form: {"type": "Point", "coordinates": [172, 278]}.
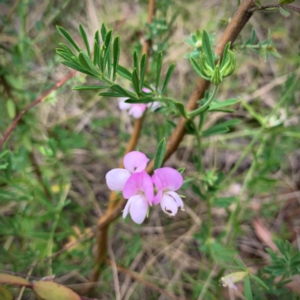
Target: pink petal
{"type": "Point", "coordinates": [157, 198]}
{"type": "Point", "coordinates": [139, 183]}
{"type": "Point", "coordinates": [137, 110]}
{"type": "Point", "coordinates": [116, 179]}
{"type": "Point", "coordinates": [167, 178]}
{"type": "Point", "coordinates": [123, 105]}
{"type": "Point", "coordinates": [177, 199]}
{"type": "Point", "coordinates": [138, 208]}
{"type": "Point", "coordinates": [146, 90]}
{"type": "Point", "coordinates": [168, 205]}
{"type": "Point", "coordinates": [135, 161]}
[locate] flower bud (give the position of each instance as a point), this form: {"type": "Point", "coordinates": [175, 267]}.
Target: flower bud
{"type": "Point", "coordinates": [217, 75]}
{"type": "Point", "coordinates": [230, 279]}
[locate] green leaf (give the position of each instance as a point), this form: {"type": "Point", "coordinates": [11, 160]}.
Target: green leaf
{"type": "Point", "coordinates": [67, 49]}
{"type": "Point", "coordinates": [197, 68]}
{"type": "Point", "coordinates": [247, 289]}
{"type": "Point", "coordinates": [258, 3]}
{"type": "Point", "coordinates": [221, 128]}
{"type": "Point", "coordinates": [103, 32]}
{"type": "Point", "coordinates": [135, 82]}
{"type": "Point", "coordinates": [116, 56]}
{"type": "Point", "coordinates": [117, 88]}
{"type": "Point", "coordinates": [111, 94]}
{"type": "Point", "coordinates": [181, 109]}
{"type": "Point", "coordinates": [142, 71]}
{"type": "Point", "coordinates": [215, 106]}
{"type": "Point", "coordinates": [135, 61]}
{"type": "Point", "coordinates": [225, 56]}
{"type": "Point", "coordinates": [90, 87]}
{"type": "Point", "coordinates": [96, 48]}
{"type": "Point", "coordinates": [257, 279]}
{"type": "Point", "coordinates": [286, 1]}
{"type": "Point", "coordinates": [66, 34]}
{"type": "Point", "coordinates": [11, 108]}
{"type": "Point", "coordinates": [224, 202]}
{"type": "Point", "coordinates": [107, 47]}
{"type": "Point", "coordinates": [158, 70]}
{"type": "Point", "coordinates": [168, 77]}
{"type": "Point", "coordinates": [76, 67]}
{"type": "Point", "coordinates": [160, 154]}
{"type": "Point", "coordinates": [140, 100]}
{"type": "Point", "coordinates": [122, 71]}
{"type": "Point", "coordinates": [207, 49]}
{"type": "Point", "coordinates": [284, 12]}
{"type": "Point", "coordinates": [85, 39]}
{"type": "Point", "coordinates": [62, 53]}
{"type": "Point", "coordinates": [239, 263]}
{"type": "Point", "coordinates": [86, 63]}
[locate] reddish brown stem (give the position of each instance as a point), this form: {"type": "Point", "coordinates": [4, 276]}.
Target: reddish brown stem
{"type": "Point", "coordinates": [32, 104]}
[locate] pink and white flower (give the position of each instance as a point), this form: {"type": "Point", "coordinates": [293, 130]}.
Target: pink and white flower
{"type": "Point", "coordinates": [134, 109]}
{"type": "Point", "coordinates": [139, 191]}
{"type": "Point", "coordinates": [167, 181]}
{"type": "Point", "coordinates": [134, 162]}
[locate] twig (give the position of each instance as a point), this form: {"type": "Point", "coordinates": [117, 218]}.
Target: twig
{"type": "Point", "coordinates": [287, 6]}
{"type": "Point", "coordinates": [32, 104]}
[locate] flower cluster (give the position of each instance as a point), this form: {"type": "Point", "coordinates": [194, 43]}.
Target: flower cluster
{"type": "Point", "coordinates": [138, 187]}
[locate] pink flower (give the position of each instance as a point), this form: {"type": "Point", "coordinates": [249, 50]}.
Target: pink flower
{"type": "Point", "coordinates": [135, 109]}
{"type": "Point", "coordinates": [134, 161]}
{"type": "Point", "coordinates": [167, 181]}
{"type": "Point", "coordinates": [139, 191]}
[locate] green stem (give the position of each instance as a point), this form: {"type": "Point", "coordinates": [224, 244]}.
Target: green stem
{"type": "Point", "coordinates": [203, 107]}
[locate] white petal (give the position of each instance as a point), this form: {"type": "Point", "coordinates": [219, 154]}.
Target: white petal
{"type": "Point", "coordinates": [126, 208]}
{"type": "Point", "coordinates": [138, 208]}
{"type": "Point", "coordinates": [116, 179]}
{"type": "Point", "coordinates": [178, 200]}
{"type": "Point", "coordinates": [123, 105]}
{"type": "Point", "coordinates": [168, 205]}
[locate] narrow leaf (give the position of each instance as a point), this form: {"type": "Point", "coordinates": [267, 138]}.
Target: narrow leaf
{"type": "Point", "coordinates": [117, 88]}
{"type": "Point", "coordinates": [247, 289]}
{"type": "Point", "coordinates": [107, 47]}
{"type": "Point", "coordinates": [103, 32]}
{"type": "Point", "coordinates": [85, 39]}
{"type": "Point", "coordinates": [140, 100]}
{"type": "Point", "coordinates": [136, 61]}
{"type": "Point", "coordinates": [168, 77]}
{"type": "Point", "coordinates": [67, 49]}
{"type": "Point", "coordinates": [135, 82]}
{"type": "Point", "coordinates": [158, 70]}
{"type": "Point", "coordinates": [228, 102]}
{"type": "Point", "coordinates": [76, 67]}
{"type": "Point", "coordinates": [181, 109]}
{"type": "Point", "coordinates": [111, 94]}
{"type": "Point", "coordinates": [257, 279]}
{"type": "Point", "coordinates": [224, 202]}
{"type": "Point", "coordinates": [116, 56]}
{"type": "Point", "coordinates": [96, 48]}
{"type": "Point", "coordinates": [142, 71]}
{"type": "Point", "coordinates": [225, 56]}
{"type": "Point", "coordinates": [66, 34]}
{"type": "Point", "coordinates": [286, 1]}
{"type": "Point", "coordinates": [87, 63]}
{"type": "Point", "coordinates": [239, 263]}
{"type": "Point", "coordinates": [207, 49]}
{"type": "Point", "coordinates": [160, 154]}
{"type": "Point", "coordinates": [90, 87]}
{"type": "Point", "coordinates": [122, 71]}
{"type": "Point", "coordinates": [197, 68]}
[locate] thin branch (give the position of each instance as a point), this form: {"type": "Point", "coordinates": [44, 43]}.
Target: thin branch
{"type": "Point", "coordinates": [286, 6]}
{"type": "Point", "coordinates": [32, 104]}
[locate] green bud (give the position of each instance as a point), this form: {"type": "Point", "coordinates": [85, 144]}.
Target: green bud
{"type": "Point", "coordinates": [205, 67]}
{"type": "Point", "coordinates": [229, 66]}
{"type": "Point", "coordinates": [217, 76]}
